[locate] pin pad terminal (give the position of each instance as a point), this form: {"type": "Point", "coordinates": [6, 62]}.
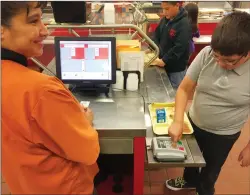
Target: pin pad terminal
{"type": "Point", "coordinates": [163, 149]}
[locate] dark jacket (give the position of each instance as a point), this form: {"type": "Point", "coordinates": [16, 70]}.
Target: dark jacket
{"type": "Point", "coordinates": [173, 39]}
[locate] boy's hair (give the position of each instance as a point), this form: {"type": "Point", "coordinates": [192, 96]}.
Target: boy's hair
{"type": "Point", "coordinates": [193, 11]}
{"type": "Point", "coordinates": [11, 8]}
{"type": "Point", "coordinates": [232, 35]}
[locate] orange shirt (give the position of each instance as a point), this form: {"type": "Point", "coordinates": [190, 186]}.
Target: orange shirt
{"type": "Point", "coordinates": [48, 145]}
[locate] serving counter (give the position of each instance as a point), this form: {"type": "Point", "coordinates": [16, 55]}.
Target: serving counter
{"type": "Point", "coordinates": [124, 125]}
{"type": "Point", "coordinates": [118, 119]}
{"type": "Point", "coordinates": [160, 90]}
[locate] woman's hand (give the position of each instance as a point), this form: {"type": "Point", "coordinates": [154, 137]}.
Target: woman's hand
{"type": "Point", "coordinates": [244, 156]}
{"type": "Point", "coordinates": [88, 112]}
{"type": "Point", "coordinates": [175, 131]}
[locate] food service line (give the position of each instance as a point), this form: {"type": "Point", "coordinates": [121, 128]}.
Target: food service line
{"type": "Point", "coordinates": [123, 124]}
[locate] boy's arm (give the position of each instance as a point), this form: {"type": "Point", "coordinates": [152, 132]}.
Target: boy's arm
{"type": "Point", "coordinates": [188, 84]}
{"type": "Point", "coordinates": [65, 128]}
{"type": "Point", "coordinates": [182, 41]}
{"type": "Point", "coordinates": [185, 89]}
{"type": "Point", "coordinates": [244, 156]}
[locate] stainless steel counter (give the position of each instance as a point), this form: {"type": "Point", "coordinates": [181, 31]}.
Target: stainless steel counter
{"type": "Point", "coordinates": [203, 39]}
{"type": "Point", "coordinates": [122, 113]}
{"type": "Point", "coordinates": [157, 86]}
{"type": "Point", "coordinates": [121, 117]}
{"type": "Point", "coordinates": [159, 89]}
{"type": "Point", "coordinates": [117, 119]}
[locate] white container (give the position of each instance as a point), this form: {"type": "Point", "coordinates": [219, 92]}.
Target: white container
{"type": "Point", "coordinates": [109, 13]}
{"type": "Point", "coordinates": [132, 82]}
{"type": "Point", "coordinates": [118, 86]}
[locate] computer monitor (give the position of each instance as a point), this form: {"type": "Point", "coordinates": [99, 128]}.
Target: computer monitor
{"type": "Point", "coordinates": [69, 11]}
{"type": "Point", "coordinates": [86, 60]}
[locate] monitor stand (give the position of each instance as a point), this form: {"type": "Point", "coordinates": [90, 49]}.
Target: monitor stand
{"type": "Point", "coordinates": [91, 89]}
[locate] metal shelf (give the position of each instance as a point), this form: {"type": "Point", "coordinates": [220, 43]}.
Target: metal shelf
{"type": "Point", "coordinates": [131, 32]}
{"type": "Point", "coordinates": [127, 30]}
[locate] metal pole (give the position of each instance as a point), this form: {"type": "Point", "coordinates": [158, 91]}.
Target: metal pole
{"type": "Point", "coordinates": [41, 65]}
{"type": "Point", "coordinates": [152, 44]}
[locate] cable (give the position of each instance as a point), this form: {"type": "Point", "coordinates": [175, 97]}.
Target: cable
{"type": "Point", "coordinates": [73, 88]}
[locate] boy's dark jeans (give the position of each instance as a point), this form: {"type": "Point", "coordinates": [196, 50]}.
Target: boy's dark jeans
{"type": "Point", "coordinates": [215, 149]}
{"type": "Point", "coordinates": [95, 192]}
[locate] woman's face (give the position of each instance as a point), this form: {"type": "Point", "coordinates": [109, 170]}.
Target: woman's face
{"type": "Point", "coordinates": [26, 32]}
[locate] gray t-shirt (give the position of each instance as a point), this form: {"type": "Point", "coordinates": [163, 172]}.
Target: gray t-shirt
{"type": "Point", "coordinates": [221, 103]}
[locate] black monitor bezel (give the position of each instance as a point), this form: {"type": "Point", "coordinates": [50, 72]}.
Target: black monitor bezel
{"type": "Point", "coordinates": [76, 11]}
{"type": "Point", "coordinates": [113, 59]}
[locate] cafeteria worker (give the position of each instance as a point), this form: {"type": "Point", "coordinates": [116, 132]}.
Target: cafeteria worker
{"type": "Point", "coordinates": [48, 143]}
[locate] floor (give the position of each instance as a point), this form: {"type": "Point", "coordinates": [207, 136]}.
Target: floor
{"type": "Point", "coordinates": [233, 178]}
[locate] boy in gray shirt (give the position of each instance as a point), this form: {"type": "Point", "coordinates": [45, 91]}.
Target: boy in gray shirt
{"type": "Point", "coordinates": [221, 103]}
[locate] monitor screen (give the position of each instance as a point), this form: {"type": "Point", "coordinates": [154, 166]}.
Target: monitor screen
{"type": "Point", "coordinates": [86, 59]}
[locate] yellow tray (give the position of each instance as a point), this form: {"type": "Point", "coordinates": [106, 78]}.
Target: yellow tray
{"type": "Point", "coordinates": [162, 128]}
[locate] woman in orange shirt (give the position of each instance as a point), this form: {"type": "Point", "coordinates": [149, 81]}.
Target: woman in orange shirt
{"type": "Point", "coordinates": [48, 143]}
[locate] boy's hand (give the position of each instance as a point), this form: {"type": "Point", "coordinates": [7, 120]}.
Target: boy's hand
{"type": "Point", "coordinates": [158, 62]}
{"type": "Point", "coordinates": [148, 51]}
{"type": "Point", "coordinates": [175, 131]}
{"type": "Point", "coordinates": [244, 156]}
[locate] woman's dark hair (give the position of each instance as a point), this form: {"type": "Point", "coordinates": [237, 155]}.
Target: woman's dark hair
{"type": "Point", "coordinates": [193, 11]}
{"type": "Point", "coordinates": [232, 35]}
{"type": "Point", "coordinates": [9, 9]}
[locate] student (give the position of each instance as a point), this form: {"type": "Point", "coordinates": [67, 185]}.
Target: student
{"type": "Point", "coordinates": [193, 11]}
{"type": "Point", "coordinates": [173, 36]}
{"type": "Point", "coordinates": [221, 103]}
{"type": "Point", "coordinates": [48, 143]}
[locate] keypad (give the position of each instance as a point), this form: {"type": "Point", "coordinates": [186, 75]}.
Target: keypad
{"type": "Point", "coordinates": [168, 144]}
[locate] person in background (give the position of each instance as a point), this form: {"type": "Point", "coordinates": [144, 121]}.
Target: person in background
{"type": "Point", "coordinates": [221, 103]}
{"type": "Point", "coordinates": [173, 35]}
{"type": "Point", "coordinates": [193, 11]}
{"type": "Point", "coordinates": [48, 143]}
